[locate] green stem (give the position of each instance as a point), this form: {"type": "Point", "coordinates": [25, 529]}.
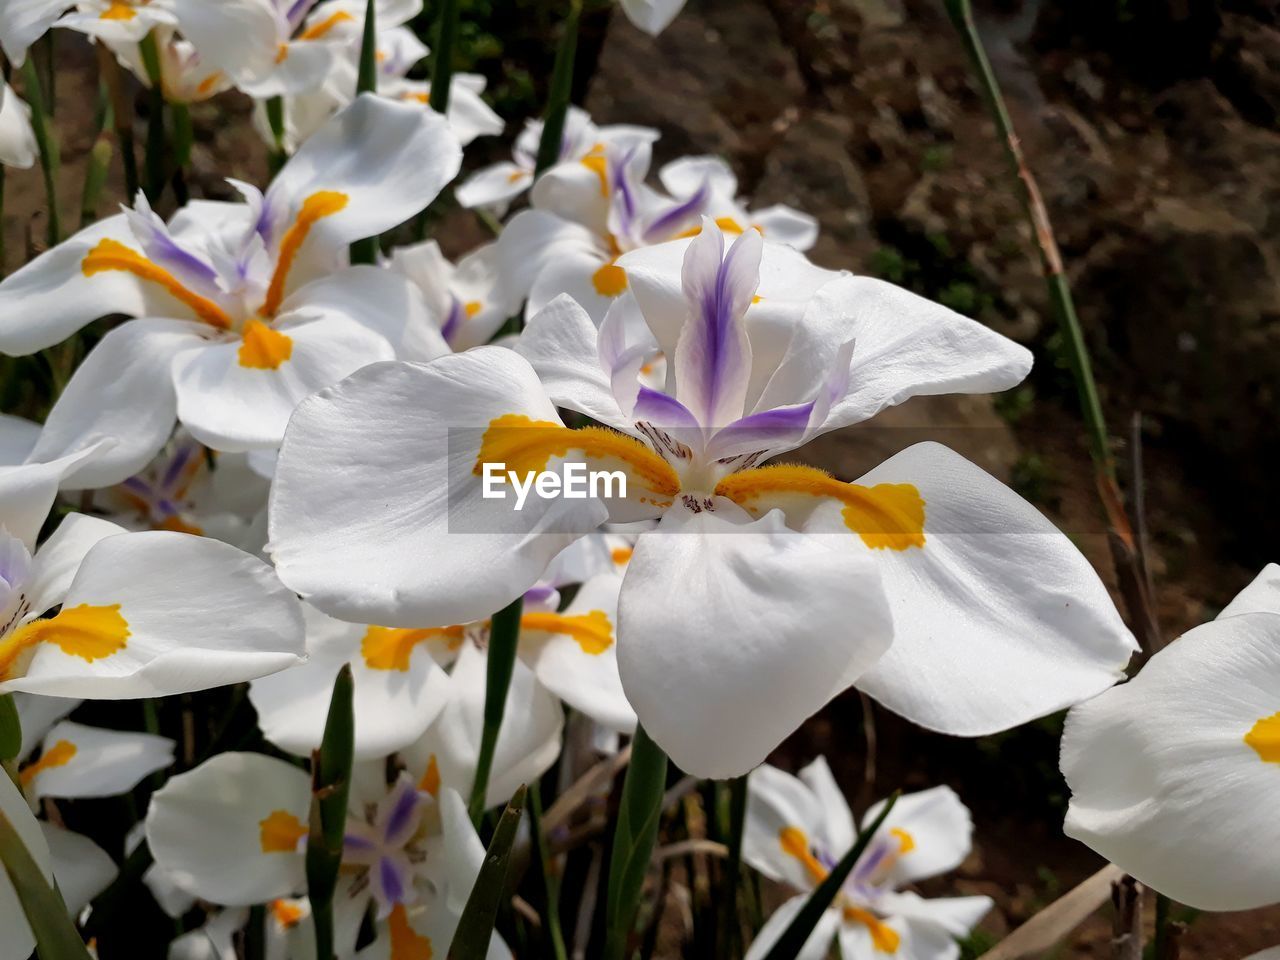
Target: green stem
{"type": "Point", "coordinates": [504, 638]}
{"type": "Point", "coordinates": [155, 121]}
{"type": "Point", "coordinates": [330, 788]}
{"type": "Point", "coordinates": [366, 250]}
{"type": "Point", "coordinates": [99, 165]}
{"type": "Point", "coordinates": [10, 728]}
{"type": "Point", "coordinates": [442, 62]}
{"type": "Point", "coordinates": [255, 934]}
{"type": "Point", "coordinates": [1161, 945]}
{"type": "Point", "coordinates": [961, 14]}
{"type": "Point", "coordinates": [122, 114]}
{"type": "Point", "coordinates": [560, 91]}
{"type": "Point", "coordinates": [633, 839]}
{"type": "Point", "coordinates": [50, 156]}
{"type": "Point", "coordinates": [2, 185]}
{"type": "Point", "coordinates": [275, 118]}
{"type": "Point", "coordinates": [550, 884]}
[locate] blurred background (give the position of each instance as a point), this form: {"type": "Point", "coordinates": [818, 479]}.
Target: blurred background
{"type": "Point", "coordinates": [1152, 128]}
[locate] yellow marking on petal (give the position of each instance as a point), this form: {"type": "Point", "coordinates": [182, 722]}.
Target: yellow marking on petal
{"type": "Point", "coordinates": [516, 177]}
{"type": "Point", "coordinates": [418, 97]}
{"type": "Point", "coordinates": [263, 348]}
{"type": "Point", "coordinates": [316, 207]}
{"type": "Point", "coordinates": [884, 937]}
{"type": "Point", "coordinates": [888, 515]}
{"type": "Point", "coordinates": [621, 555]}
{"type": "Point", "coordinates": [286, 913]}
{"type": "Point", "coordinates": [318, 30]}
{"type": "Point", "coordinates": [111, 255]}
{"type": "Point", "coordinates": [118, 11]}
{"type": "Point", "coordinates": [728, 225]}
{"type": "Point", "coordinates": [610, 280]}
{"type": "Point", "coordinates": [280, 831]}
{"type": "Point", "coordinates": [282, 53]}
{"type": "Point", "coordinates": [390, 648]}
{"type": "Point", "coordinates": [1265, 738]}
{"type": "Point", "coordinates": [406, 942]}
{"type": "Point", "coordinates": [430, 782]}
{"type": "Point", "coordinates": [794, 843]}
{"type": "Point", "coordinates": [88, 632]}
{"type": "Point", "coordinates": [906, 842]}
{"type": "Point", "coordinates": [526, 445]}
{"type": "Point", "coordinates": [58, 755]}
{"type": "Point", "coordinates": [593, 631]}
{"type": "Point", "coordinates": [472, 307]}
{"type": "Point", "coordinates": [598, 163]}
{"type": "Point", "coordinates": [177, 525]}
{"type": "Point", "coordinates": [208, 83]}
{"type": "Point", "coordinates": [757, 299]}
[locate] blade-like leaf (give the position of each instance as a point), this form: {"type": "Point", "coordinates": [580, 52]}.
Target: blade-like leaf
{"type": "Point", "coordinates": [330, 786]}
{"type": "Point", "coordinates": [10, 728]}
{"type": "Point", "coordinates": [633, 839]}
{"type": "Point", "coordinates": [504, 638]}
{"type": "Point", "coordinates": [442, 64]}
{"type": "Point", "coordinates": [475, 927]}
{"type": "Point", "coordinates": [794, 937]}
{"type": "Point", "coordinates": [366, 251]}
{"type": "Point", "coordinates": [56, 937]}
{"type": "Point", "coordinates": [560, 92]}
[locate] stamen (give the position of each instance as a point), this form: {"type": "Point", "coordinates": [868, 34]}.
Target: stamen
{"type": "Point", "coordinates": [593, 631]}
{"type": "Point", "coordinates": [112, 255]}
{"type": "Point", "coordinates": [88, 632]}
{"type": "Point", "coordinates": [888, 515]}
{"type": "Point", "coordinates": [316, 207]}
{"type": "Point", "coordinates": [526, 446]}
{"type": "Point", "coordinates": [430, 782]}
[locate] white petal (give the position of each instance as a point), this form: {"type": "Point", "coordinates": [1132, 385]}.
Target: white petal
{"type": "Point", "coordinates": [17, 439]}
{"type": "Point", "coordinates": [435, 552]}
{"type": "Point", "coordinates": [392, 707]}
{"type": "Point", "coordinates": [23, 22]}
{"type": "Point", "coordinates": [50, 298]}
{"type": "Point", "coordinates": [581, 675]}
{"type": "Point", "coordinates": [815, 948]}
{"type": "Point", "coordinates": [998, 618]}
{"type": "Point", "coordinates": [205, 828]}
{"type": "Point", "coordinates": [100, 763]}
{"type": "Point", "coordinates": [122, 391]}
{"type": "Point", "coordinates": [81, 867]}
{"type": "Point", "coordinates": [713, 616]}
{"type": "Point", "coordinates": [37, 714]}
{"type": "Point", "coordinates": [783, 224]}
{"type": "Point", "coordinates": [464, 853]}
{"type": "Point", "coordinates": [239, 37]}
{"type": "Point", "coordinates": [1260, 596]}
{"type": "Point", "coordinates": [18, 941]}
{"type": "Point", "coordinates": [199, 614]}
{"type": "Point", "coordinates": [59, 557]}
{"type": "Point", "coordinates": [940, 829]}
{"type": "Point", "coordinates": [954, 916]}
{"type": "Point", "coordinates": [838, 827]}
{"type": "Point", "coordinates": [908, 346]}
{"type": "Point", "coordinates": [27, 492]}
{"type": "Point", "coordinates": [229, 406]}
{"type": "Point", "coordinates": [777, 801]}
{"type": "Point", "coordinates": [531, 241]}
{"type": "Point", "coordinates": [1163, 781]}
{"type": "Point", "coordinates": [18, 146]}
{"type": "Point", "coordinates": [390, 159]}
{"type": "Point", "coordinates": [494, 186]}
{"type": "Point", "coordinates": [528, 741]}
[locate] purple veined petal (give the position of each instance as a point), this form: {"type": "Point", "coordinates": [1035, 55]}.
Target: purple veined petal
{"type": "Point", "coordinates": [390, 882]}
{"type": "Point", "coordinates": [713, 355]}
{"type": "Point", "coordinates": [624, 206]}
{"type": "Point", "coordinates": [296, 12]}
{"type": "Point", "coordinates": [680, 216]}
{"type": "Point", "coordinates": [358, 849]}
{"type": "Point", "coordinates": [540, 595]}
{"type": "Point", "coordinates": [138, 486]}
{"type": "Point", "coordinates": [871, 861]}
{"type": "Point", "coordinates": [782, 428]}
{"type": "Point", "coordinates": [173, 473]}
{"type": "Point", "coordinates": [160, 248]}
{"type": "Point", "coordinates": [399, 813]}
{"type": "Point", "coordinates": [662, 410]}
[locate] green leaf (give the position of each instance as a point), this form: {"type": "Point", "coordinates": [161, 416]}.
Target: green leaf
{"type": "Point", "coordinates": [475, 927]}
{"type": "Point", "coordinates": [504, 638]}
{"type": "Point", "coordinates": [793, 938]}
{"type": "Point", "coordinates": [366, 250]}
{"type": "Point", "coordinates": [10, 728]}
{"type": "Point", "coordinates": [731, 925]}
{"type": "Point", "coordinates": [330, 786]}
{"type": "Point", "coordinates": [560, 92]}
{"type": "Point", "coordinates": [56, 936]}
{"type": "Point", "coordinates": [633, 839]}
{"type": "Point", "coordinates": [442, 61]}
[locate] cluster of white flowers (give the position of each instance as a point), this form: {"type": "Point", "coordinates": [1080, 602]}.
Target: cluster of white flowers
{"type": "Point", "coordinates": [280, 460]}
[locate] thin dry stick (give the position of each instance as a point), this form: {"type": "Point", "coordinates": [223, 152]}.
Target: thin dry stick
{"type": "Point", "coordinates": [587, 908]}
{"type": "Point", "coordinates": [583, 789]}
{"type": "Point", "coordinates": [695, 845]}
{"type": "Point", "coordinates": [869, 735]}
{"type": "Point", "coordinates": [1043, 931]}
{"type": "Point", "coordinates": [1127, 938]}
{"type": "Point", "coordinates": [1124, 551]}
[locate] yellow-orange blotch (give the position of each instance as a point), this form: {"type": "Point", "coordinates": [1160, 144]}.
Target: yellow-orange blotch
{"type": "Point", "coordinates": [406, 942]}
{"type": "Point", "coordinates": [592, 630]}
{"type": "Point", "coordinates": [263, 348]}
{"type": "Point", "coordinates": [280, 831]}
{"type": "Point", "coordinates": [1265, 738]}
{"type": "Point", "coordinates": [86, 631]}
{"type": "Point", "coordinates": [58, 755]}
{"type": "Point", "coordinates": [610, 280]}
{"type": "Point", "coordinates": [430, 782]}
{"type": "Point", "coordinates": [391, 648]}
{"type": "Point", "coordinates": [109, 255]}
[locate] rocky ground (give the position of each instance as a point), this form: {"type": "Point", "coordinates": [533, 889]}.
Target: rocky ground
{"type": "Point", "coordinates": [1151, 125]}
